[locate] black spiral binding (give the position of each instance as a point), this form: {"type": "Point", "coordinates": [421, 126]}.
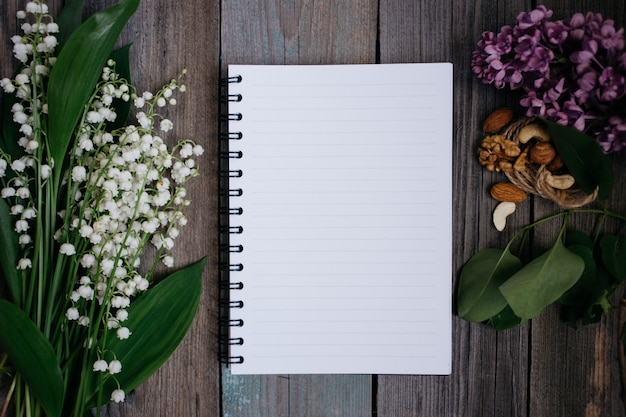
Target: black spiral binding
{"type": "Point", "coordinates": [227, 285]}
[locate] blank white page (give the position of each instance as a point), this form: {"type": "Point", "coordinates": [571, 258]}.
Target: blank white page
{"type": "Point", "coordinates": [346, 218]}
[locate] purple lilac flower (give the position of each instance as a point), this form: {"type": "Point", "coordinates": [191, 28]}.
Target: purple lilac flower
{"type": "Point", "coordinates": [533, 18]}
{"type": "Point", "coordinates": [572, 71]}
{"type": "Point", "coordinates": [612, 136]}
{"type": "Point", "coordinates": [611, 85]}
{"type": "Point", "coordinates": [556, 32]}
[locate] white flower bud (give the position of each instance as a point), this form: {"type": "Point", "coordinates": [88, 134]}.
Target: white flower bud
{"type": "Point", "coordinates": [24, 263]}
{"type": "Point", "coordinates": [121, 314]}
{"type": "Point", "coordinates": [123, 333]}
{"type": "Point", "coordinates": [115, 367]}
{"type": "Point", "coordinates": [72, 313]}
{"type": "Point", "coordinates": [100, 365]}
{"type": "Point", "coordinates": [22, 192]}
{"type": "Point", "coordinates": [21, 226]}
{"type": "Point", "coordinates": [67, 249]}
{"type": "Point", "coordinates": [168, 260]}
{"type": "Point", "coordinates": [46, 170]}
{"type": "Point", "coordinates": [118, 396]}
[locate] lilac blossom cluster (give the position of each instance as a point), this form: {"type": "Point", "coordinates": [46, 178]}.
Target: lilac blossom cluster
{"type": "Point", "coordinates": [572, 71]}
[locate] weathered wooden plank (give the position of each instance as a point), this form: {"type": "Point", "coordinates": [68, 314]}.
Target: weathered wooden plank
{"type": "Point", "coordinates": [168, 36]}
{"type": "Point", "coordinates": [574, 372]}
{"type": "Point", "coordinates": [297, 32]}
{"type": "Point", "coordinates": [489, 369]}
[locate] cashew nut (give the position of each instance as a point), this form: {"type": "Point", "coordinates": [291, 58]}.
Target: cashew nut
{"type": "Point", "coordinates": [532, 131]}
{"type": "Point", "coordinates": [501, 212]}
{"type": "Point", "coordinates": [560, 182]}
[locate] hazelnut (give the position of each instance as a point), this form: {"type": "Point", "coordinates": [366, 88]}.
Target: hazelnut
{"type": "Point", "coordinates": [542, 153]}
{"type": "Point", "coordinates": [556, 164]}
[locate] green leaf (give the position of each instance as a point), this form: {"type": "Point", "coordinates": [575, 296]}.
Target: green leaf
{"type": "Point", "coordinates": [576, 237]}
{"type": "Point", "coordinates": [76, 72]}
{"type": "Point", "coordinates": [613, 251]}
{"type": "Point", "coordinates": [587, 289]}
{"type": "Point", "coordinates": [158, 320]}
{"type": "Point", "coordinates": [542, 281]}
{"type": "Point", "coordinates": [69, 19]}
{"type": "Point", "coordinates": [121, 57]}
{"type": "Point", "coordinates": [584, 158]}
{"type": "Point", "coordinates": [505, 319]}
{"type": "Point", "coordinates": [33, 357]}
{"type": "Point", "coordinates": [478, 296]}
{"type": "Point", "coordinates": [8, 254]}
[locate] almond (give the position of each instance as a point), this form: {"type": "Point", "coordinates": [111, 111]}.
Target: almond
{"type": "Point", "coordinates": [505, 191]}
{"type": "Point", "coordinates": [498, 119]}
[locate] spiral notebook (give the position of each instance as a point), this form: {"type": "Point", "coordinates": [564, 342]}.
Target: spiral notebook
{"type": "Point", "coordinates": [336, 219]}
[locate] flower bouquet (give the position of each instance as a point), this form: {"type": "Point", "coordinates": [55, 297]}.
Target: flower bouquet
{"type": "Point", "coordinates": [83, 193]}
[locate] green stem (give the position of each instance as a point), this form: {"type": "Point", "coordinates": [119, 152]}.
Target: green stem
{"type": "Point", "coordinates": [7, 398]}
{"type": "Point", "coordinates": [525, 229]}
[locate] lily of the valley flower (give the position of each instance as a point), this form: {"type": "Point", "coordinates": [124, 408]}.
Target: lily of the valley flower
{"type": "Point", "coordinates": [122, 189]}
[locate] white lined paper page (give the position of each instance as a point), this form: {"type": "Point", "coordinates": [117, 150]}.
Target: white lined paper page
{"type": "Point", "coordinates": [347, 183]}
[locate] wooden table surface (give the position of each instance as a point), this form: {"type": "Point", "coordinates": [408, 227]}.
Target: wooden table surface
{"type": "Point", "coordinates": [541, 369]}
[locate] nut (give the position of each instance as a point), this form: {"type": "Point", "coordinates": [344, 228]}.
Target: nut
{"type": "Point", "coordinates": [497, 153]}
{"type": "Point", "coordinates": [498, 119]}
{"type": "Point", "coordinates": [521, 161]}
{"type": "Point", "coordinates": [505, 191]}
{"type": "Point", "coordinates": [556, 164]}
{"type": "Point", "coordinates": [560, 182]}
{"type": "Point", "coordinates": [542, 153]}
{"type": "Point", "coordinates": [532, 131]}
{"type": "Point", "coordinates": [501, 212]}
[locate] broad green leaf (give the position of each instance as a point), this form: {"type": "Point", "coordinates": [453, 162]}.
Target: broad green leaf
{"type": "Point", "coordinates": [613, 250]}
{"type": "Point", "coordinates": [576, 237]}
{"type": "Point", "coordinates": [76, 72]}
{"type": "Point", "coordinates": [121, 57]}
{"type": "Point", "coordinates": [32, 356]}
{"type": "Point", "coordinates": [479, 297]}
{"type": "Point", "coordinates": [542, 281]}
{"type": "Point", "coordinates": [587, 289]}
{"type": "Point", "coordinates": [8, 254]}
{"type": "Point", "coordinates": [584, 158]}
{"type": "Point", "coordinates": [158, 320]}
{"type": "Point", "coordinates": [505, 319]}
{"type": "Point", "coordinates": [69, 19]}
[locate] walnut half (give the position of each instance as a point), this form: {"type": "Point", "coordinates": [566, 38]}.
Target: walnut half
{"type": "Point", "coordinates": [497, 153]}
